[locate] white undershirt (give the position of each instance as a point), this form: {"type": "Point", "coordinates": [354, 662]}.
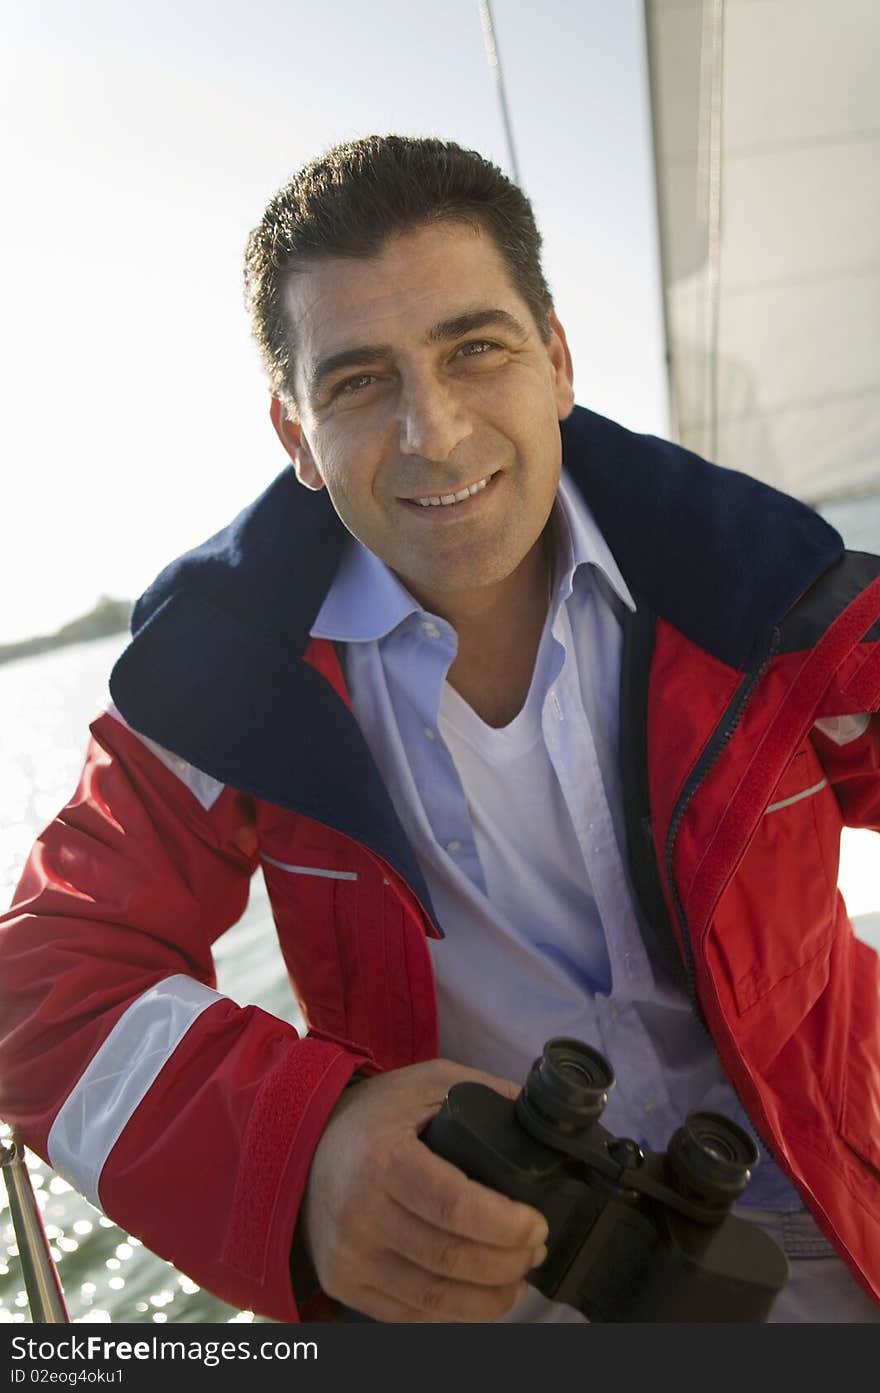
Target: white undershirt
{"type": "Point", "coordinates": [534, 868]}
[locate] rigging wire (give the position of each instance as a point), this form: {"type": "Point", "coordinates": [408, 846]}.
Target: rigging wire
{"type": "Point", "coordinates": [495, 68]}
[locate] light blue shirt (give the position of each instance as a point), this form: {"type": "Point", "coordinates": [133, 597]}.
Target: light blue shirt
{"type": "Point", "coordinates": [505, 985]}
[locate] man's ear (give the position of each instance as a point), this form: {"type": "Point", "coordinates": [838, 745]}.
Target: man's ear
{"type": "Point", "coordinates": [560, 358]}
{"type": "Point", "coordinates": [290, 434]}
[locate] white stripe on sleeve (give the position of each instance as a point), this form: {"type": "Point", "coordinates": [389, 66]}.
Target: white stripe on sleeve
{"type": "Point", "coordinates": [122, 1072]}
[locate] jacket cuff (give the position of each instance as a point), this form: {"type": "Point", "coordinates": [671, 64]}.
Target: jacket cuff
{"type": "Point", "coordinates": [304, 1279]}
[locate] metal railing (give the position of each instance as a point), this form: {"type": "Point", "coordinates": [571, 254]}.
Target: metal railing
{"type": "Point", "coordinates": [41, 1281]}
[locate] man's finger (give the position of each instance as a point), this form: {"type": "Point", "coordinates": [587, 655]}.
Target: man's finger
{"type": "Point", "coordinates": [408, 1295]}
{"type": "Point", "coordinates": [446, 1254]}
{"type": "Point", "coordinates": [437, 1191]}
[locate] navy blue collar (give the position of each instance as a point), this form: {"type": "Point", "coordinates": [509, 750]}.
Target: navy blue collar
{"type": "Point", "coordinates": [214, 669]}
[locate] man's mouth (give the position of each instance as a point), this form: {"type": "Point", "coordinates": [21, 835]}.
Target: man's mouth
{"type": "Point", "coordinates": [446, 500]}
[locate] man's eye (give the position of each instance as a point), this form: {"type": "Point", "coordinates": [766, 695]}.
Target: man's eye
{"type": "Point", "coordinates": [477, 348]}
{"type": "Point", "coordinates": [354, 384]}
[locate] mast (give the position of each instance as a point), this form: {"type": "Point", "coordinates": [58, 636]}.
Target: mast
{"type": "Point", "coordinates": [495, 68]}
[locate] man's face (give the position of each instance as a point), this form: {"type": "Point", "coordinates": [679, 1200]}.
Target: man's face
{"type": "Point", "coordinates": [420, 375]}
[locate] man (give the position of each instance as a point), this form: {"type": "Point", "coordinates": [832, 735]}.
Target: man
{"type": "Point", "coordinates": [520, 753]}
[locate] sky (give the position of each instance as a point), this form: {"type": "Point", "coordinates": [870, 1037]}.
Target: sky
{"type": "Point", "coordinates": [142, 143]}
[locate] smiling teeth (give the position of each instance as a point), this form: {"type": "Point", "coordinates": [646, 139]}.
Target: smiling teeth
{"type": "Point", "coordinates": [443, 500]}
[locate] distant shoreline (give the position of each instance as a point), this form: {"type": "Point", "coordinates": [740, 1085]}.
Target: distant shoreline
{"type": "Point", "coordinates": [108, 616]}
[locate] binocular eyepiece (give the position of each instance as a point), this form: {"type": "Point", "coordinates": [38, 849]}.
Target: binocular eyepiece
{"type": "Point", "coordinates": [709, 1157]}
{"type": "Point", "coordinates": [567, 1087]}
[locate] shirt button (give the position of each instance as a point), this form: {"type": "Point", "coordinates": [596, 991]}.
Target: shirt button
{"type": "Point", "coordinates": [430, 630]}
{"type": "Point", "coordinates": [649, 1106]}
{"type": "Point", "coordinates": [453, 847]}
{"type": "Point", "coordinates": [430, 734]}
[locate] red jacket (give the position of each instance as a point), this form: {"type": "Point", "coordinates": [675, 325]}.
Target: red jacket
{"type": "Point", "coordinates": [752, 624]}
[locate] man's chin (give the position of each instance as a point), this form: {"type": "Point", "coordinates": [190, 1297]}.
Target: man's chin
{"type": "Point", "coordinates": [455, 585]}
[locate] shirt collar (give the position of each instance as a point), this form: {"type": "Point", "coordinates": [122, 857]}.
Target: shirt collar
{"type": "Point", "coordinates": [579, 542]}
{"type": "Point", "coordinates": [366, 600]}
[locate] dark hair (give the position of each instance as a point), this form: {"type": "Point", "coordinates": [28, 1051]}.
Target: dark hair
{"type": "Point", "coordinates": [348, 202]}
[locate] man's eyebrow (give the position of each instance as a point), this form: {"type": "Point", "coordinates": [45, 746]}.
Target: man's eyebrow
{"type": "Point", "coordinates": [476, 319]}
{"type": "Point", "coordinates": [447, 330]}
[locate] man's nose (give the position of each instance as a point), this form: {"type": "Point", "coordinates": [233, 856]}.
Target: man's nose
{"type": "Point", "coordinates": [432, 422]}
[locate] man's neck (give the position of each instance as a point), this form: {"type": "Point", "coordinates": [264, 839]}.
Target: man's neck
{"type": "Point", "coordinates": [498, 637]}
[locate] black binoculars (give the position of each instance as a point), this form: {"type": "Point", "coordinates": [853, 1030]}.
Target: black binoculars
{"type": "Point", "coordinates": [635, 1235]}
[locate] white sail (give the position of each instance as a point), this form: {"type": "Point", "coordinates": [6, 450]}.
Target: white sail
{"type": "Point", "coordinates": [767, 143]}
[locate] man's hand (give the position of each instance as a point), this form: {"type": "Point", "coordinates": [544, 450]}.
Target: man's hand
{"type": "Point", "coordinates": [396, 1232]}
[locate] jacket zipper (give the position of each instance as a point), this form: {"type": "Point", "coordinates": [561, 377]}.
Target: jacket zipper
{"type": "Point", "coordinates": [721, 737]}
